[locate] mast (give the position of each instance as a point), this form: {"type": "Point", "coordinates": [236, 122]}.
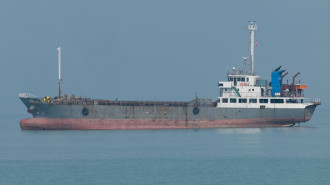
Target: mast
{"type": "Point", "coordinates": [59, 72]}
{"type": "Point", "coordinates": [252, 27]}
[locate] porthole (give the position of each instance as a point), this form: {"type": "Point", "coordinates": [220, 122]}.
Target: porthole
{"type": "Point", "coordinates": [85, 111]}
{"type": "Point", "coordinates": [196, 110]}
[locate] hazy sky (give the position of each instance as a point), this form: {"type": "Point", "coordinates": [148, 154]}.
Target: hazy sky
{"type": "Point", "coordinates": [156, 50]}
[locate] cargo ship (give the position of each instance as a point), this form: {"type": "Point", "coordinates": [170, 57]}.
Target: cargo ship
{"type": "Point", "coordinates": [245, 100]}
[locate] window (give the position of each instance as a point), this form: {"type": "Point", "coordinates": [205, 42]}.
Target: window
{"type": "Point", "coordinates": [276, 101]}
{"type": "Point", "coordinates": [224, 100]}
{"type": "Point", "coordinates": [253, 101]}
{"type": "Point", "coordinates": [233, 100]}
{"type": "Point", "coordinates": [263, 100]}
{"type": "Point", "coordinates": [238, 79]}
{"type": "Point", "coordinates": [247, 79]}
{"type": "Point", "coordinates": [291, 101]}
{"type": "Point", "coordinates": [242, 100]}
{"type": "Point", "coordinates": [243, 79]}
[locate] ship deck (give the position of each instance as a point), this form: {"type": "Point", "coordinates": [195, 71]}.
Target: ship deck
{"type": "Point", "coordinates": [199, 102]}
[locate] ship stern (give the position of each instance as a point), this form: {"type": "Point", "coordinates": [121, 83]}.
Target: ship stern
{"type": "Point", "coordinates": [309, 110]}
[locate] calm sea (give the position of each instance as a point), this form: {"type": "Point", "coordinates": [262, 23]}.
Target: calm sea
{"type": "Point", "coordinates": [296, 155]}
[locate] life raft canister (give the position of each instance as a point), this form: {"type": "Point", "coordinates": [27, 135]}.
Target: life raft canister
{"type": "Point", "coordinates": [85, 111]}
{"type": "Point", "coordinates": [196, 110]}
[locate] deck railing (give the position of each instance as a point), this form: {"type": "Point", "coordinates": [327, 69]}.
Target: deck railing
{"type": "Point", "coordinates": [317, 101]}
{"type": "Point", "coordinates": [26, 95]}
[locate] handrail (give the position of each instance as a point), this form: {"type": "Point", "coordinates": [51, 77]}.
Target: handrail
{"type": "Point", "coordinates": [317, 101]}
{"type": "Point", "coordinates": [237, 92]}
{"type": "Point", "coordinates": [26, 95]}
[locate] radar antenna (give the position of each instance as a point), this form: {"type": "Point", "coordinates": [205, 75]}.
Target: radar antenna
{"type": "Point", "coordinates": [245, 62]}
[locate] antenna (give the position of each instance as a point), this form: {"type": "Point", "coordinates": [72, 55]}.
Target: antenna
{"type": "Point", "coordinates": [59, 72]}
{"type": "Point", "coordinates": [252, 27]}
{"type": "Point", "coordinates": [245, 61]}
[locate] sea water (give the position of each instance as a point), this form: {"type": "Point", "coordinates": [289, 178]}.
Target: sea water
{"type": "Point", "coordinates": [294, 155]}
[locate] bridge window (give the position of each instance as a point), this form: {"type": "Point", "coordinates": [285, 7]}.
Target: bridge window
{"type": "Point", "coordinates": [276, 101]}
{"type": "Point", "coordinates": [263, 100]}
{"type": "Point", "coordinates": [253, 101]}
{"type": "Point", "coordinates": [242, 100]}
{"type": "Point", "coordinates": [224, 100]}
{"type": "Point", "coordinates": [233, 100]}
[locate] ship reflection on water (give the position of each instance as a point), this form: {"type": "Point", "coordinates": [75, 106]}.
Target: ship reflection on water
{"type": "Point", "coordinates": [239, 130]}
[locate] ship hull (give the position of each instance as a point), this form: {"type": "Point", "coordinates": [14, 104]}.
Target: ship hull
{"type": "Point", "coordinates": [117, 124]}
{"type": "Point", "coordinates": [157, 115]}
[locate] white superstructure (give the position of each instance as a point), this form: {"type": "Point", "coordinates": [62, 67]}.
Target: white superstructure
{"type": "Point", "coordinates": [245, 89]}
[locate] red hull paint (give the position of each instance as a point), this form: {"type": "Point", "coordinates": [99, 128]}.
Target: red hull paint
{"type": "Point", "coordinates": [114, 124]}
